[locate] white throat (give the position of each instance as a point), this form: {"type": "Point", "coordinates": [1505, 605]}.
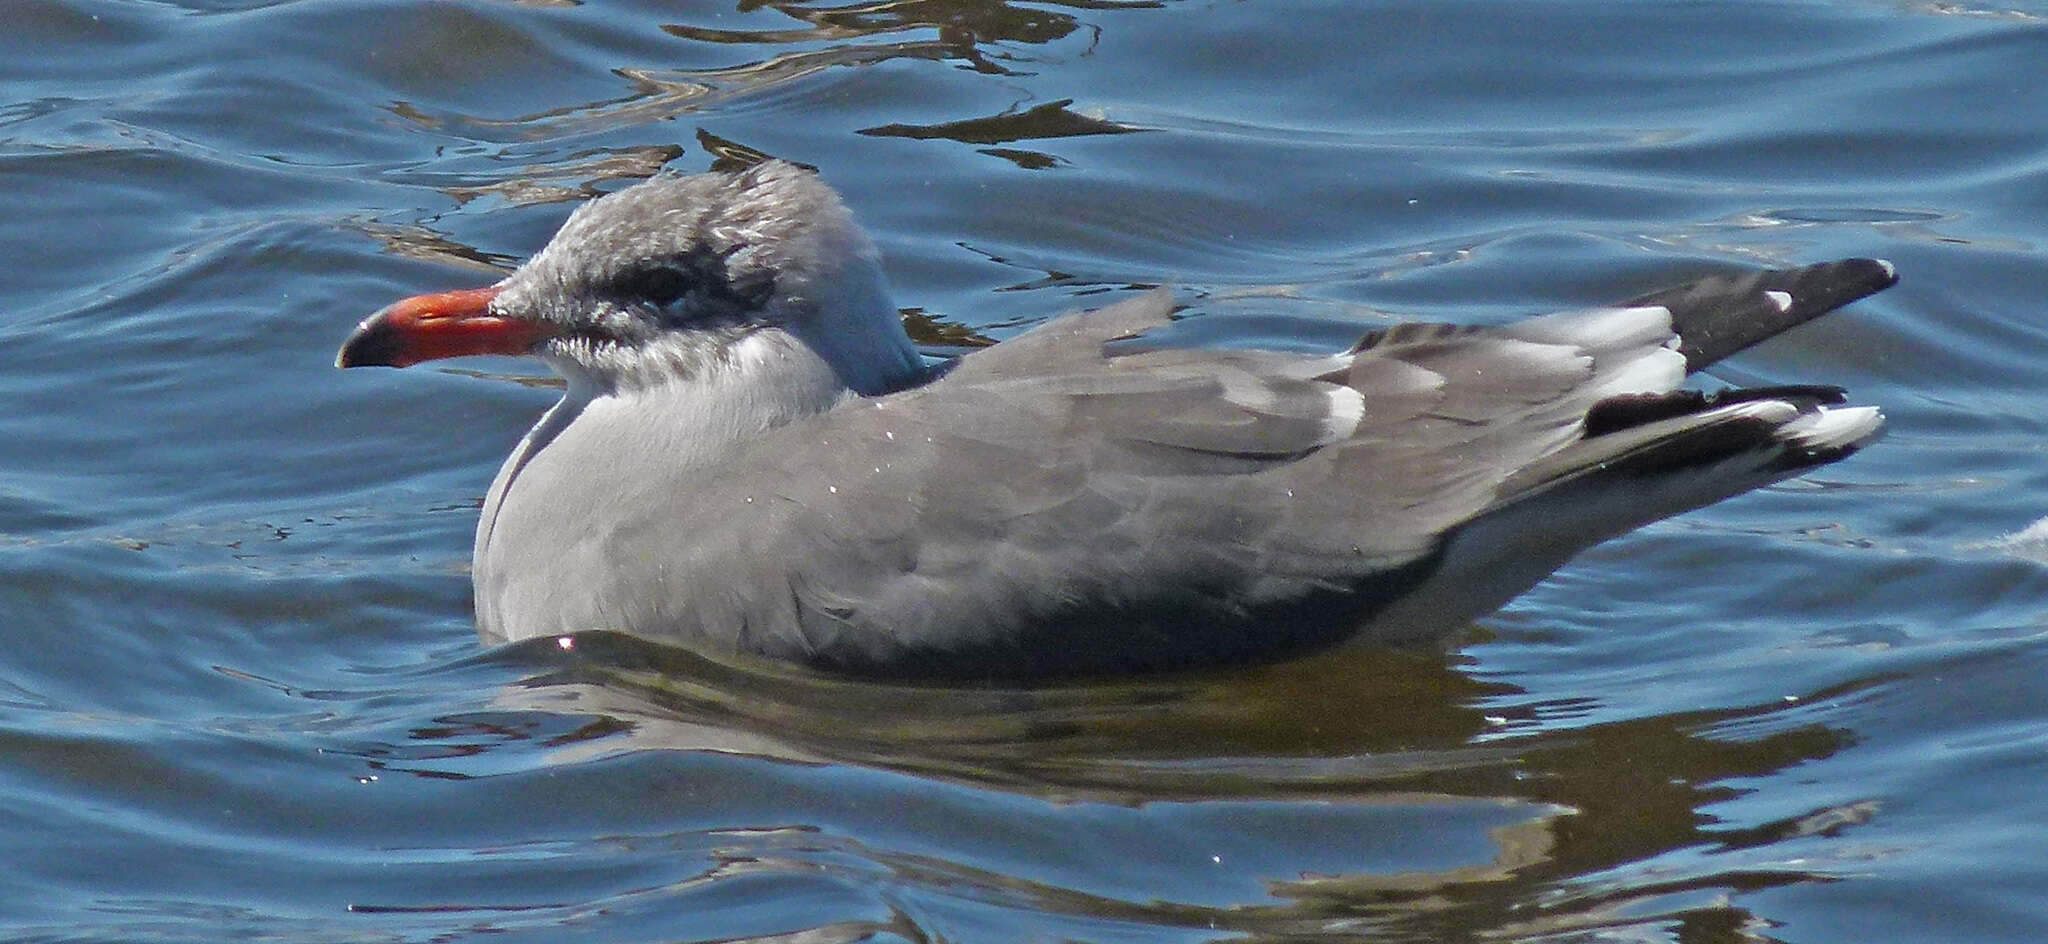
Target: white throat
{"type": "Point", "coordinates": [761, 381]}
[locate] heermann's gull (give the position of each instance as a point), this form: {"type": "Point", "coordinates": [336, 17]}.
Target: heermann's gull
{"type": "Point", "coordinates": [752, 457]}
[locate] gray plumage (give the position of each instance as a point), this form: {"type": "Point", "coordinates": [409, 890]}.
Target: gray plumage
{"type": "Point", "coordinates": [756, 462]}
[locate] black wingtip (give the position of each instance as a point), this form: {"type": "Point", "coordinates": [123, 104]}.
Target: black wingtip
{"type": "Point", "coordinates": [1819, 289]}
{"type": "Point", "coordinates": [1722, 314]}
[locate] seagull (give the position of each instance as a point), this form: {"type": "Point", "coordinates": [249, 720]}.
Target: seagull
{"type": "Point", "coordinates": [751, 458]}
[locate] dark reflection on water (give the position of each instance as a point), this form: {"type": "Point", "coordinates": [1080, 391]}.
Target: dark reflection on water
{"type": "Point", "coordinates": [1117, 741]}
{"type": "Point", "coordinates": [980, 34]}
{"type": "Point", "coordinates": [965, 26]}
{"type": "Point", "coordinates": [1396, 734]}
{"type": "Point", "coordinates": [1050, 120]}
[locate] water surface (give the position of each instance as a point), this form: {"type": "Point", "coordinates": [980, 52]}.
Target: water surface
{"type": "Point", "coordinates": [242, 699]}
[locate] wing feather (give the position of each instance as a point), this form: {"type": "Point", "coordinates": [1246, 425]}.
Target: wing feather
{"type": "Point", "coordinates": [1063, 502]}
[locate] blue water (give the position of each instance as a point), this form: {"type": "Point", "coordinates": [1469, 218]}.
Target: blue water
{"type": "Point", "coordinates": [240, 694]}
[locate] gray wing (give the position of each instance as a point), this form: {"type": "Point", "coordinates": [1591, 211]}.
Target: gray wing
{"type": "Point", "coordinates": [1060, 505]}
{"type": "Point", "coordinates": [1055, 508]}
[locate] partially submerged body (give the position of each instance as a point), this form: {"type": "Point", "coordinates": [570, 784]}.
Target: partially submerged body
{"type": "Point", "coordinates": [750, 457]}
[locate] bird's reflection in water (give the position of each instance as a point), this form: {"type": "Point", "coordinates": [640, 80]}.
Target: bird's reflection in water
{"type": "Point", "coordinates": [1300, 728]}
{"type": "Point", "coordinates": [1555, 824]}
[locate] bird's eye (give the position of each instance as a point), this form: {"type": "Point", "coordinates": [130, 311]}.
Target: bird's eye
{"type": "Point", "coordinates": [658, 285]}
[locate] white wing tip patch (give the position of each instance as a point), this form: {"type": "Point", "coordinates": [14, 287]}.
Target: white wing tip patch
{"type": "Point", "coordinates": [1347, 410]}
{"type": "Point", "coordinates": [1781, 299]}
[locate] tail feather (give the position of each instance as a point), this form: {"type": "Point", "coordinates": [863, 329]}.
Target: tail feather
{"type": "Point", "coordinates": [1825, 434]}
{"type": "Point", "coordinates": [1780, 430]}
